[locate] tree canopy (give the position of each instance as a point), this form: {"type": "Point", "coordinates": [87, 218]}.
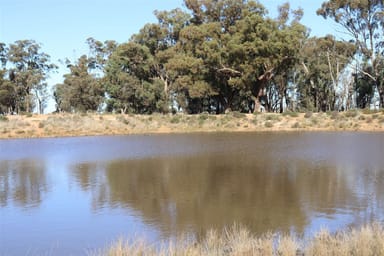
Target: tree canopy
{"type": "Point", "coordinates": [212, 56]}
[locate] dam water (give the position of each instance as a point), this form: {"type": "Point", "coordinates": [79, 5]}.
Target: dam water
{"type": "Point", "coordinates": [64, 196]}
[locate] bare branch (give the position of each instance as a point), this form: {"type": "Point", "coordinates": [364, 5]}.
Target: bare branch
{"type": "Point", "coordinates": [229, 71]}
{"type": "Point", "coordinates": [267, 75]}
{"type": "Point", "coordinates": [305, 68]}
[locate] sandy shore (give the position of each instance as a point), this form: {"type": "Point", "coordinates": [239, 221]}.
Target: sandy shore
{"type": "Point", "coordinates": [63, 125]}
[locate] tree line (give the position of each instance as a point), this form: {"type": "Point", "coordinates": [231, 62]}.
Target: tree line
{"type": "Point", "coordinates": [213, 56]}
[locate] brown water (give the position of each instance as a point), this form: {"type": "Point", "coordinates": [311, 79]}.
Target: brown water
{"type": "Point", "coordinates": [74, 195]}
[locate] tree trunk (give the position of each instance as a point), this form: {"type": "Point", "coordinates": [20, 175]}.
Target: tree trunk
{"type": "Point", "coordinates": [257, 92]}
{"type": "Point", "coordinates": [257, 87]}
{"type": "Point", "coordinates": [41, 110]}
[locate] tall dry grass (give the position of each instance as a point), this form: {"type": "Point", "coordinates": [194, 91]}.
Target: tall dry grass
{"type": "Point", "coordinates": [236, 241]}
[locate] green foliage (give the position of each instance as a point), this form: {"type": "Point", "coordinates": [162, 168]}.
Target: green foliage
{"type": "Point", "coordinates": [8, 95]}
{"type": "Point", "coordinates": [175, 119]}
{"type": "Point", "coordinates": [203, 117]}
{"type": "Point", "coordinates": [29, 69]}
{"type": "Point", "coordinates": [363, 22]}
{"type": "Point", "coordinates": [321, 72]}
{"type": "Point", "coordinates": [81, 90]}
{"type": "Point", "coordinates": [129, 84]}
{"type": "Point", "coordinates": [215, 56]}
{"type": "Point", "coordinates": [3, 118]}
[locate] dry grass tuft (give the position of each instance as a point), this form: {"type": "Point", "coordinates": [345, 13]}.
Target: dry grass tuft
{"type": "Point", "coordinates": [237, 240]}
{"type": "Point", "coordinates": [368, 240]}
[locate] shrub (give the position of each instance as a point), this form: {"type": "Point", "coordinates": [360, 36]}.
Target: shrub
{"type": "Point", "coordinates": [237, 114]}
{"type": "Point", "coordinates": [175, 120]}
{"type": "Point", "coordinates": [273, 117]}
{"type": "Point", "coordinates": [368, 111]}
{"type": "Point", "coordinates": [314, 121]}
{"type": "Point", "coordinates": [122, 119]}
{"type": "Point", "coordinates": [203, 117]}
{"type": "Point", "coordinates": [296, 125]}
{"type": "Point", "coordinates": [291, 114]}
{"type": "Point", "coordinates": [351, 113]}
{"type": "Point", "coordinates": [334, 115]}
{"type": "Point", "coordinates": [212, 117]}
{"type": "Point", "coordinates": [308, 114]}
{"type": "Point", "coordinates": [268, 124]}
{"type": "Point", "coordinates": [3, 118]}
{"type": "Point", "coordinates": [23, 113]}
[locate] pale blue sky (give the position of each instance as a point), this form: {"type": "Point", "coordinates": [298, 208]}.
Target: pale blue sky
{"type": "Point", "coordinates": [62, 26]}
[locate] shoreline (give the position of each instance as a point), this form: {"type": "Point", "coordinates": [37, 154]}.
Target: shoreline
{"type": "Point", "coordinates": [78, 125]}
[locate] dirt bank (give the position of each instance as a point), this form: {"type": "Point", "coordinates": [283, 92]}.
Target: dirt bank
{"type": "Point", "coordinates": [61, 125]}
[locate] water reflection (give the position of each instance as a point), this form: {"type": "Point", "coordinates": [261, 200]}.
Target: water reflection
{"type": "Point", "coordinates": [23, 183]}
{"type": "Point", "coordinates": [205, 192]}
{"type": "Point", "coordinates": [91, 179]}
{"type": "Point", "coordinates": [212, 191]}
{"type": "Point", "coordinates": [101, 188]}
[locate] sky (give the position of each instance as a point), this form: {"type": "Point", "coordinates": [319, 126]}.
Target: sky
{"type": "Point", "coordinates": [62, 26]}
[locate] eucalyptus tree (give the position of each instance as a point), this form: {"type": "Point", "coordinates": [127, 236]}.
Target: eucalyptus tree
{"type": "Point", "coordinates": [363, 20]}
{"type": "Point", "coordinates": [364, 88]}
{"type": "Point", "coordinates": [160, 38]}
{"type": "Point", "coordinates": [99, 53]}
{"type": "Point", "coordinates": [226, 55]}
{"type": "Point", "coordinates": [3, 54]}
{"type": "Point", "coordinates": [29, 70]}
{"type": "Point", "coordinates": [81, 91]}
{"type": "Point", "coordinates": [7, 89]}
{"type": "Point", "coordinates": [288, 40]}
{"type": "Point", "coordinates": [323, 62]}
{"type": "Point", "coordinates": [129, 82]}
{"type": "Point", "coordinates": [188, 70]}
{"type": "Point", "coordinates": [255, 50]}
{"type": "Point", "coordinates": [7, 94]}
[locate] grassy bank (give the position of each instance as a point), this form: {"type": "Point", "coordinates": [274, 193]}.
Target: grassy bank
{"type": "Point", "coordinates": [367, 240]}
{"type": "Point", "coordinates": [58, 125]}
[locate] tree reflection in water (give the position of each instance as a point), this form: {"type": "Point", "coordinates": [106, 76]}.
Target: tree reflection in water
{"type": "Point", "coordinates": [197, 193]}
{"type": "Point", "coordinates": [23, 182]}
